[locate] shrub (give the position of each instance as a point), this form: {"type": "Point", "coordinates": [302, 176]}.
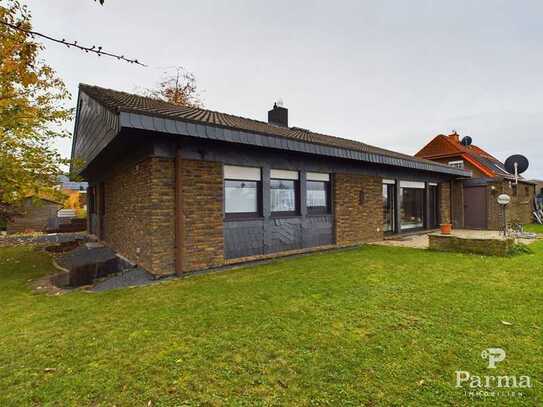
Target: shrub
{"type": "Point", "coordinates": [519, 249]}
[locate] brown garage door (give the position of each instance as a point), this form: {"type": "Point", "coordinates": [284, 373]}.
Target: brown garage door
{"type": "Point", "coordinates": [475, 212]}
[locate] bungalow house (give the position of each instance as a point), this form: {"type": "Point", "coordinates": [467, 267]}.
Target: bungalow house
{"type": "Point", "coordinates": [178, 189]}
{"type": "Point", "coordinates": [475, 205]}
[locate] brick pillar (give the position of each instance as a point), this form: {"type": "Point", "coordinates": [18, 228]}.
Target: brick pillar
{"type": "Point", "coordinates": [201, 222]}
{"type": "Point", "coordinates": [179, 231]}
{"type": "Point", "coordinates": [445, 202]}
{"type": "Point", "coordinates": [358, 208]}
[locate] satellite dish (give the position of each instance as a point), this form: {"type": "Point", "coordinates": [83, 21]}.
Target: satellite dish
{"type": "Point", "coordinates": [466, 141]}
{"type": "Point", "coordinates": [516, 164]}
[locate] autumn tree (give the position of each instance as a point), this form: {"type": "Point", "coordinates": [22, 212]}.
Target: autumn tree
{"type": "Point", "coordinates": [32, 112]}
{"type": "Point", "coordinates": [179, 89]}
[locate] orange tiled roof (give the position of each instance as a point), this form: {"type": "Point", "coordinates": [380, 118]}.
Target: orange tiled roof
{"type": "Point", "coordinates": [450, 146]}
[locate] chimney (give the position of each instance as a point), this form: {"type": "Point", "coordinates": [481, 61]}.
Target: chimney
{"type": "Point", "coordinates": [278, 116]}
{"type": "Point", "coordinates": [455, 137]}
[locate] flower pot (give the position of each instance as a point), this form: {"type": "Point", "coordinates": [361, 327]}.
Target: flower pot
{"type": "Point", "coordinates": [446, 228]}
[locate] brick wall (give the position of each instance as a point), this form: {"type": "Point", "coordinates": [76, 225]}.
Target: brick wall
{"type": "Point", "coordinates": [518, 211]}
{"type": "Point", "coordinates": [522, 205]}
{"type": "Point", "coordinates": [140, 212]}
{"type": "Point", "coordinates": [358, 222]}
{"type": "Point", "coordinates": [202, 202]}
{"type": "Point", "coordinates": [139, 219]}
{"type": "Point", "coordinates": [445, 202]}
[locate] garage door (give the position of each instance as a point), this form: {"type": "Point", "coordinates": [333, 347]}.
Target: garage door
{"type": "Point", "coordinates": [475, 211]}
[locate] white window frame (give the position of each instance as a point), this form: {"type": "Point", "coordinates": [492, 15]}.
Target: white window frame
{"type": "Point", "coordinates": [319, 177]}
{"type": "Point", "coordinates": [287, 175]}
{"type": "Point", "coordinates": [241, 173]}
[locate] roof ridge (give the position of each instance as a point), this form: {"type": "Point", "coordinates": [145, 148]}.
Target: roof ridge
{"type": "Point", "coordinates": [172, 104]}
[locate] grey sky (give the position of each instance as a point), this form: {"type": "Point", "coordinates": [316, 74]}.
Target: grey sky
{"type": "Point", "coordinates": [388, 73]}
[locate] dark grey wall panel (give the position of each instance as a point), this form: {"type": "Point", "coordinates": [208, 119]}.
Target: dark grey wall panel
{"type": "Point", "coordinates": [318, 231]}
{"type": "Point", "coordinates": [95, 128]}
{"type": "Point", "coordinates": [243, 239]}
{"type": "Point", "coordinates": [286, 234]}
{"type": "Point", "coordinates": [250, 238]}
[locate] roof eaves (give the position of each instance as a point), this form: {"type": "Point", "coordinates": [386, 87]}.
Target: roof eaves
{"type": "Point", "coordinates": [133, 119]}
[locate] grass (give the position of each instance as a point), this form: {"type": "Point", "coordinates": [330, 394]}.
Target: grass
{"type": "Point", "coordinates": [370, 326]}
{"type": "Point", "coordinates": [534, 228]}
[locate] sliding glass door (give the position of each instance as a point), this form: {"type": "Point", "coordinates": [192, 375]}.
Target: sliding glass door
{"type": "Point", "coordinates": [412, 204]}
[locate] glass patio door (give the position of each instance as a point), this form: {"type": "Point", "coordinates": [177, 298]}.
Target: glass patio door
{"type": "Point", "coordinates": [412, 205]}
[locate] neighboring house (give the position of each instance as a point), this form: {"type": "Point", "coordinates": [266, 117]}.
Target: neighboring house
{"type": "Point", "coordinates": [76, 192]}
{"type": "Point", "coordinates": [36, 215]}
{"type": "Point", "coordinates": [179, 189]}
{"type": "Point", "coordinates": [475, 205]}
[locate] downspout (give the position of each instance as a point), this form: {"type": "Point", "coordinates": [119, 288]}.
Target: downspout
{"type": "Point", "coordinates": [178, 214]}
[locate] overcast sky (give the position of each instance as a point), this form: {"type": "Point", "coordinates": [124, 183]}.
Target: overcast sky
{"type": "Point", "coordinates": [388, 73]}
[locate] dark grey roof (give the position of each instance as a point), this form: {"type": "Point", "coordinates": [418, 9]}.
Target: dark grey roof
{"type": "Point", "coordinates": [122, 102]}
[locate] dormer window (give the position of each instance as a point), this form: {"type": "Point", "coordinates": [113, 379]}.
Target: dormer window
{"type": "Point", "coordinates": [457, 164]}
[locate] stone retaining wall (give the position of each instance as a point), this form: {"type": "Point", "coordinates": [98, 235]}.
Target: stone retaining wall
{"type": "Point", "coordinates": [485, 247]}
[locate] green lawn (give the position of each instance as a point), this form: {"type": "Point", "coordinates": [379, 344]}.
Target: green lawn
{"type": "Point", "coordinates": [535, 228]}
{"type": "Point", "coordinates": [369, 326]}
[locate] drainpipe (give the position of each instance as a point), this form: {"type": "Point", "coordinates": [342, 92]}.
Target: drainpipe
{"type": "Point", "coordinates": [178, 214]}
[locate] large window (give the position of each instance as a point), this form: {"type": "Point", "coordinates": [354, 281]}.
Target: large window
{"type": "Point", "coordinates": [284, 193]}
{"type": "Point", "coordinates": [389, 206]}
{"type": "Point", "coordinates": [412, 204]}
{"type": "Point", "coordinates": [241, 191]}
{"type": "Point", "coordinates": [318, 193]}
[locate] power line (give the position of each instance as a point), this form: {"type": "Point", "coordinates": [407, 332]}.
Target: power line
{"type": "Point", "coordinates": [94, 49]}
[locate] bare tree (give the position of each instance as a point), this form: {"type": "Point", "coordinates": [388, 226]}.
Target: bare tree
{"type": "Point", "coordinates": [179, 89]}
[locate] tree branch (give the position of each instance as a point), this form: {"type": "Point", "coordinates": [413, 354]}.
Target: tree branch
{"type": "Point", "coordinates": [94, 49]}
